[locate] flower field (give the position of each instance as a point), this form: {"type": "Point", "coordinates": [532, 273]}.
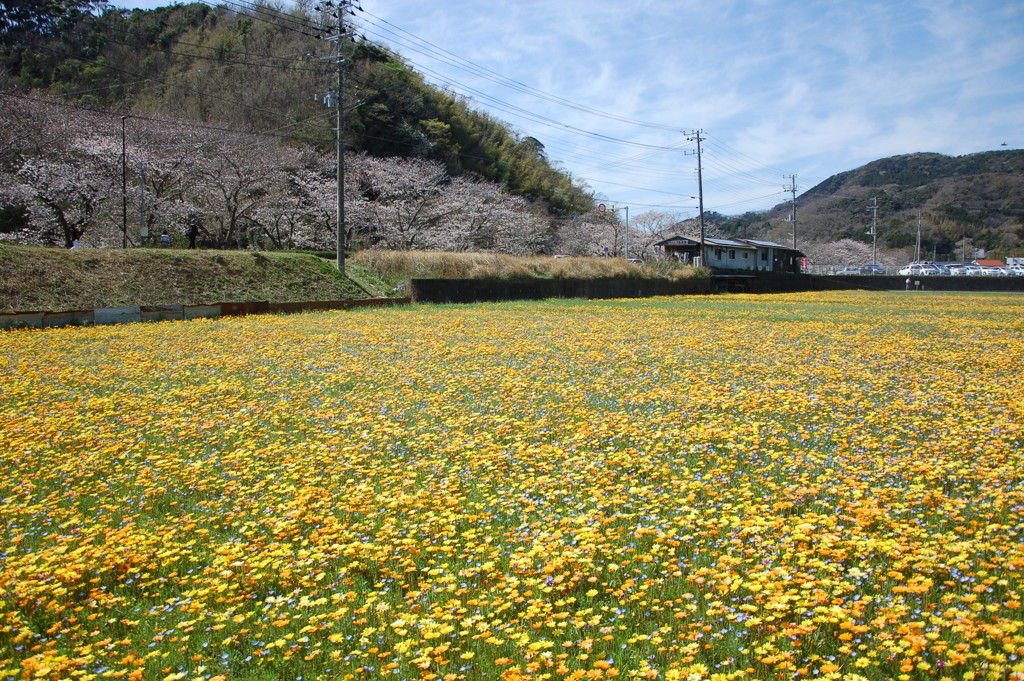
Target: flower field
{"type": "Point", "coordinates": [822, 486]}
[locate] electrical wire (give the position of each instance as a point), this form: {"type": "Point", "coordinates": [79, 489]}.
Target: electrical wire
{"type": "Point", "coordinates": [730, 163]}
{"type": "Point", "coordinates": [734, 167]}
{"type": "Point", "coordinates": [476, 69]}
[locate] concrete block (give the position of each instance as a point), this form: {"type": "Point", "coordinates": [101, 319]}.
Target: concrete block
{"type": "Point", "coordinates": [201, 311]}
{"type": "Point", "coordinates": [69, 318]}
{"type": "Point", "coordinates": [21, 319]}
{"type": "Point", "coordinates": [160, 313]}
{"type": "Point", "coordinates": [117, 315]}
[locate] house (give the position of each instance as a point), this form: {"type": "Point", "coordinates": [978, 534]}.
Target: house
{"type": "Point", "coordinates": [734, 254]}
{"type": "Point", "coordinates": [773, 257]}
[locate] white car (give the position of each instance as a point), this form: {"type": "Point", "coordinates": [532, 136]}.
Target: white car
{"type": "Point", "coordinates": [919, 271]}
{"type": "Point", "coordinates": [992, 271]}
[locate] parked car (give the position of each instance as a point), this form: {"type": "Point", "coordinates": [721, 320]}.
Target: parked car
{"type": "Point", "coordinates": [850, 270]}
{"type": "Point", "coordinates": [919, 270]}
{"type": "Point", "coordinates": [873, 268]}
{"type": "Point", "coordinates": [966, 270]}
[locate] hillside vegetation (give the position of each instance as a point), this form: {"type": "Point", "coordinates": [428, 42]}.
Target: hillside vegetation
{"type": "Point", "coordinates": [259, 69]}
{"type": "Point", "coordinates": [979, 197]}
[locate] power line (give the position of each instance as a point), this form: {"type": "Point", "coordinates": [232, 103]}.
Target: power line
{"type": "Point", "coordinates": [428, 49]}
{"type": "Point", "coordinates": [720, 165]}
{"type": "Point", "coordinates": [186, 124]}
{"type": "Point", "coordinates": [476, 69]}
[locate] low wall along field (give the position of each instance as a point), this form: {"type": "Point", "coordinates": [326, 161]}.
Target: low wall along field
{"type": "Point", "coordinates": [812, 485]}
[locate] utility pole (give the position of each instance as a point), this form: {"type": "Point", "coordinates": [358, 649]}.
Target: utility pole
{"type": "Point", "coordinates": [342, 8]}
{"type": "Point", "coordinates": [874, 231]}
{"type": "Point", "coordinates": [626, 235]}
{"type": "Point", "coordinates": [124, 185]}
{"type": "Point", "coordinates": [700, 192]}
{"type": "Point", "coordinates": [792, 214]}
{"type": "Point", "coordinates": [143, 227]}
{"type": "Point", "coordinates": [338, 99]}
{"type": "Point", "coordinates": [917, 251]}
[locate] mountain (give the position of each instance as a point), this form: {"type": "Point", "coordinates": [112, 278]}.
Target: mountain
{"type": "Point", "coordinates": [980, 196]}
{"type": "Point", "coordinates": [264, 70]}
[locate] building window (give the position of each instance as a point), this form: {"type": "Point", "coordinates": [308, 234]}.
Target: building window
{"type": "Point", "coordinates": [718, 253]}
{"type": "Point", "coordinates": [764, 255]}
{"type": "Point", "coordinates": [732, 254]}
{"type": "Point", "coordinates": [745, 255]}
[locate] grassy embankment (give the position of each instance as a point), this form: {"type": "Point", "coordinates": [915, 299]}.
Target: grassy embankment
{"type": "Point", "coordinates": [57, 279]}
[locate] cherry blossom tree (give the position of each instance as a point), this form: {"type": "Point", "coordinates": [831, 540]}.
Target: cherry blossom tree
{"type": "Point", "coordinates": [649, 228]}
{"type": "Point", "coordinates": [593, 233]}
{"type": "Point", "coordinates": [414, 204]}
{"type": "Point", "coordinates": [62, 168]}
{"type": "Point", "coordinates": [62, 176]}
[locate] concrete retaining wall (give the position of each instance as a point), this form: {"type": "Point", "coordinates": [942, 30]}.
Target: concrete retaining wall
{"type": "Point", "coordinates": [156, 313]}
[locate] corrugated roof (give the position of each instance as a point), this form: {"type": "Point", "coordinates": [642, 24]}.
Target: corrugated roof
{"type": "Point", "coordinates": [727, 243]}
{"type": "Point", "coordinates": [764, 244]}
{"type": "Point", "coordinates": [749, 244]}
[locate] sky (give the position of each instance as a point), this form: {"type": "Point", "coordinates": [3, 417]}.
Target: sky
{"type": "Point", "coordinates": [618, 91]}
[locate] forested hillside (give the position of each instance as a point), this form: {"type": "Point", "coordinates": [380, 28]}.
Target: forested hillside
{"type": "Point", "coordinates": [262, 70]}
{"type": "Point", "coordinates": [220, 115]}
{"type": "Point", "coordinates": [977, 197]}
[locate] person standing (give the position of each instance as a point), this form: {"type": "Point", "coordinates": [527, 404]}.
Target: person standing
{"type": "Point", "coordinates": [193, 232]}
{"type": "Point", "coordinates": [76, 235]}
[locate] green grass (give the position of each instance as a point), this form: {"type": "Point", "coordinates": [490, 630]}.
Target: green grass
{"type": "Point", "coordinates": [49, 279]}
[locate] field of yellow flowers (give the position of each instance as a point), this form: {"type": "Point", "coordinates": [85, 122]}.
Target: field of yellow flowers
{"type": "Point", "coordinates": [821, 486]}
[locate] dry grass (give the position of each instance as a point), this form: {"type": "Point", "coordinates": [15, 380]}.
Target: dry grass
{"type": "Point", "coordinates": [396, 266]}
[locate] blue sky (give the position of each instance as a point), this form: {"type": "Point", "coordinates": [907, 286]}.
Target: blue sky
{"type": "Point", "coordinates": [778, 88]}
